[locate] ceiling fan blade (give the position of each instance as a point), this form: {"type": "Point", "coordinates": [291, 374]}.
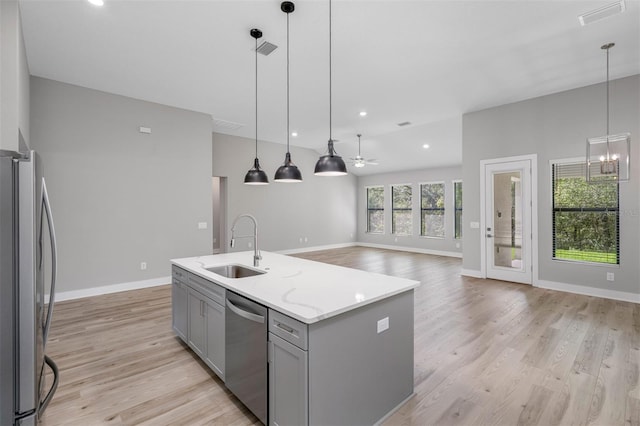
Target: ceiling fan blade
{"type": "Point", "coordinates": [371, 164]}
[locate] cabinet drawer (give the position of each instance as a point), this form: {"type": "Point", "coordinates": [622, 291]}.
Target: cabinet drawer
{"type": "Point", "coordinates": [291, 330]}
{"type": "Point", "coordinates": [179, 274]}
{"type": "Point", "coordinates": [206, 287]}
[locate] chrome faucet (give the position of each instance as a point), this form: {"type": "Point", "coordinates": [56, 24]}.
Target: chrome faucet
{"type": "Point", "coordinates": [256, 251]}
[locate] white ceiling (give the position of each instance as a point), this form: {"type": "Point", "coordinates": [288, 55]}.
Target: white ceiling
{"type": "Point", "coordinates": [427, 62]}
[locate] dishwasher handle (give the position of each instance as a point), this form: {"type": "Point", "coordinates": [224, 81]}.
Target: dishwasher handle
{"type": "Point", "coordinates": [244, 314]}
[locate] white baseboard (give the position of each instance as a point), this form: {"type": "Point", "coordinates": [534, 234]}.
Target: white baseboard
{"type": "Point", "coordinates": [412, 249]}
{"type": "Point", "coordinates": [471, 273]}
{"type": "Point", "coordinates": [317, 248]}
{"type": "Point", "coordinates": [590, 291]}
{"type": "Point", "coordinates": [107, 289]}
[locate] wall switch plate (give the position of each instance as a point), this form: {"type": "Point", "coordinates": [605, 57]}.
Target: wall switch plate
{"type": "Point", "coordinates": [383, 324]}
{"type": "Point", "coordinates": [474, 225]}
{"type": "Point", "coordinates": [143, 266]}
{"type": "Point", "coordinates": [146, 130]}
{"type": "Point", "coordinates": [202, 225]}
{"type": "Point", "coordinates": [610, 276]}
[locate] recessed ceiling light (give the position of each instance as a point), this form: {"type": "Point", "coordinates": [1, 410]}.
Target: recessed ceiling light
{"type": "Point", "coordinates": [294, 134]}
{"type": "Point", "coordinates": [96, 2]}
{"type": "Point", "coordinates": [425, 146]}
{"type": "Point", "coordinates": [363, 113]}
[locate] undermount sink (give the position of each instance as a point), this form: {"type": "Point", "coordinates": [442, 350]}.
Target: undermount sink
{"type": "Point", "coordinates": [234, 271]}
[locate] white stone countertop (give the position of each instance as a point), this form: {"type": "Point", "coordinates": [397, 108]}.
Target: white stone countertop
{"type": "Point", "coordinates": [302, 289]}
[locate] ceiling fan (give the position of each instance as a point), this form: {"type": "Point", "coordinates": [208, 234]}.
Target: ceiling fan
{"type": "Point", "coordinates": [360, 161]}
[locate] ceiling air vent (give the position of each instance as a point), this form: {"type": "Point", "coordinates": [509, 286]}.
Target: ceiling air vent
{"type": "Point", "coordinates": [265, 48]}
{"type": "Point", "coordinates": [602, 12]}
{"type": "Point", "coordinates": [225, 125]}
{"type": "Point", "coordinates": [404, 123]}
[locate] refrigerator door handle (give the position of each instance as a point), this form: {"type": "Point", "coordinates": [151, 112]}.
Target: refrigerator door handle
{"type": "Point", "coordinates": [46, 209]}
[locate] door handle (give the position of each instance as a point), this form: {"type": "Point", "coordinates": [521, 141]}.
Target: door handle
{"type": "Point", "coordinates": [489, 236]}
{"type": "Point", "coordinates": [244, 314]}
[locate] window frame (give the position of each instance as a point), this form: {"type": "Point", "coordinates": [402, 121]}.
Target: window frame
{"type": "Point", "coordinates": [579, 160]}
{"type": "Point", "coordinates": [455, 208]}
{"type": "Point", "coordinates": [394, 209]}
{"type": "Point", "coordinates": [368, 229]}
{"type": "Point", "coordinates": [443, 209]}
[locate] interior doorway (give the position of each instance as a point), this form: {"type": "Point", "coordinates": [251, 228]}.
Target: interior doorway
{"type": "Point", "coordinates": [508, 218]}
{"type": "Point", "coordinates": [219, 211]}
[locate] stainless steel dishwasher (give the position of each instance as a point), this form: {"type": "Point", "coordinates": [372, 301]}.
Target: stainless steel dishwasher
{"type": "Point", "coordinates": [246, 352]}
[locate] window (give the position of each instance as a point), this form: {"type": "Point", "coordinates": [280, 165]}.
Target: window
{"type": "Point", "coordinates": [401, 223]}
{"type": "Point", "coordinates": [432, 209]}
{"type": "Point", "coordinates": [457, 206]}
{"type": "Point", "coordinates": [585, 217]}
{"type": "Point", "coordinates": [375, 209]}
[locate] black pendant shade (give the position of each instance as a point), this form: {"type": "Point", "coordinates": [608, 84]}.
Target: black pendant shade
{"type": "Point", "coordinates": [256, 176]}
{"type": "Point", "coordinates": [330, 164]}
{"type": "Point", "coordinates": [288, 172]}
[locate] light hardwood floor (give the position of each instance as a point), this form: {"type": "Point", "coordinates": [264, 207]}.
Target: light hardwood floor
{"type": "Point", "coordinates": [486, 352]}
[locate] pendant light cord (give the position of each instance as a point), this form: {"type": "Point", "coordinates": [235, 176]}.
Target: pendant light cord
{"type": "Point", "coordinates": [330, 86]}
{"type": "Point", "coordinates": [288, 131]}
{"type": "Point", "coordinates": [608, 101]}
{"type": "Point", "coordinates": [256, 53]}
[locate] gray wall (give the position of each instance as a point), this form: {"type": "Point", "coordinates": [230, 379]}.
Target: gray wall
{"type": "Point", "coordinates": [415, 177]}
{"type": "Point", "coordinates": [320, 209]}
{"type": "Point", "coordinates": [14, 78]}
{"type": "Point", "coordinates": [556, 127]}
{"type": "Point", "coordinates": [120, 197]}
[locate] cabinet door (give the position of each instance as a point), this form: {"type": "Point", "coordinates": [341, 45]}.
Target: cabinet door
{"type": "Point", "coordinates": [197, 323]}
{"type": "Point", "coordinates": [215, 337]}
{"type": "Point", "coordinates": [288, 383]}
{"type": "Point", "coordinates": [179, 308]}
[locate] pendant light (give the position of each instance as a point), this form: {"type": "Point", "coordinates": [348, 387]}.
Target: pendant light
{"type": "Point", "coordinates": [256, 176]}
{"type": "Point", "coordinates": [608, 156]}
{"type": "Point", "coordinates": [330, 164]}
{"type": "Point", "coordinates": [288, 172]}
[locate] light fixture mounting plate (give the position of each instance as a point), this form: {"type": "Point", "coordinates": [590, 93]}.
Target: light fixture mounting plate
{"type": "Point", "coordinates": [607, 46]}
{"type": "Point", "coordinates": [255, 33]}
{"type": "Point", "coordinates": [287, 6]}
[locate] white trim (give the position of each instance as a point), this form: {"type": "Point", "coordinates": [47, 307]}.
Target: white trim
{"type": "Point", "coordinates": [474, 273]}
{"type": "Point", "coordinates": [590, 291]}
{"type": "Point", "coordinates": [317, 248]}
{"type": "Point", "coordinates": [107, 289]}
{"type": "Point", "coordinates": [412, 249]}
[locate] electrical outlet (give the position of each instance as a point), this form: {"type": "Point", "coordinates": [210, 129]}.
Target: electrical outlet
{"type": "Point", "coordinates": [300, 240]}
{"type": "Point", "coordinates": [249, 244]}
{"type": "Point", "coordinates": [306, 239]}
{"type": "Point", "coordinates": [610, 276]}
{"type": "Point", "coordinates": [457, 245]}
{"type": "Point", "coordinates": [143, 266]}
{"type": "Point", "coordinates": [202, 225]}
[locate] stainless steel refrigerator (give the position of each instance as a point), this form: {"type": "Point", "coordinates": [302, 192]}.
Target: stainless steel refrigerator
{"type": "Point", "coordinates": [27, 270]}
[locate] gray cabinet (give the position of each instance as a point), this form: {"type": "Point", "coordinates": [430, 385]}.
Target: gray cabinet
{"type": "Point", "coordinates": [288, 383]}
{"type": "Point", "coordinates": [215, 314]}
{"type": "Point", "coordinates": [179, 308]}
{"type": "Point", "coordinates": [288, 371]}
{"type": "Point", "coordinates": [198, 317]}
{"type": "Point", "coordinates": [197, 323]}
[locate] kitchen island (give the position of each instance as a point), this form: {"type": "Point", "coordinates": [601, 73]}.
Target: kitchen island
{"type": "Point", "coordinates": [338, 342]}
